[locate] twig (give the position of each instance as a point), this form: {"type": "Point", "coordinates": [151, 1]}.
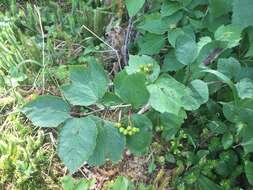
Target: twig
{"type": "Point", "coordinates": [100, 110]}
{"type": "Point", "coordinates": [144, 109]}
{"type": "Point", "coordinates": [126, 42]}
{"type": "Point", "coordinates": [43, 49]}
{"type": "Point", "coordinates": [94, 34]}
{"type": "Point", "coordinates": [212, 56]}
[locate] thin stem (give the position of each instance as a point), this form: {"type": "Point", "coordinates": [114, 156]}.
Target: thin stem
{"type": "Point", "coordinates": [43, 49]}
{"type": "Point", "coordinates": [100, 110]}
{"type": "Point", "coordinates": [94, 34]}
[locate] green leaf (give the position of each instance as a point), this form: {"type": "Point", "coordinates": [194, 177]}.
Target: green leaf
{"type": "Point", "coordinates": [245, 88]}
{"type": "Point", "coordinates": [154, 23]}
{"type": "Point", "coordinates": [230, 34]}
{"type": "Point", "coordinates": [166, 94]}
{"type": "Point", "coordinates": [249, 171]}
{"type": "Point", "coordinates": [134, 6]}
{"type": "Point", "coordinates": [169, 8]}
{"type": "Point", "coordinates": [196, 95]}
{"type": "Point", "coordinates": [186, 49]}
{"type": "Point", "coordinates": [206, 184]}
{"type": "Point", "coordinates": [242, 13]}
{"type": "Point", "coordinates": [171, 63]}
{"type": "Point", "coordinates": [47, 111]}
{"type": "Point", "coordinates": [77, 142]}
{"type": "Point", "coordinates": [173, 34]}
{"type": "Point", "coordinates": [122, 183]}
{"type": "Point", "coordinates": [172, 124]}
{"type": "Point", "coordinates": [247, 139]}
{"type": "Point", "coordinates": [229, 67]}
{"type": "Point", "coordinates": [110, 143]}
{"type": "Point", "coordinates": [220, 7]}
{"type": "Point", "coordinates": [68, 183]}
{"type": "Point", "coordinates": [131, 88]}
{"type": "Point", "coordinates": [136, 61]}
{"type": "Point", "coordinates": [227, 140]}
{"type": "Point", "coordinates": [139, 142]}
{"type": "Point", "coordinates": [151, 44]}
{"type": "Point", "coordinates": [88, 85]}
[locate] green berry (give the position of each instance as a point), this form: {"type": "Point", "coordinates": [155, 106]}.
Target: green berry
{"type": "Point", "coordinates": [118, 125]}
{"type": "Point", "coordinates": [129, 128]}
{"type": "Point", "coordinates": [121, 129]}
{"type": "Point", "coordinates": [125, 132]}
{"type": "Point", "coordinates": [130, 133]}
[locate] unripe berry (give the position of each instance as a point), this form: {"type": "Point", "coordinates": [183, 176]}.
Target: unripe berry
{"type": "Point", "coordinates": [121, 129]}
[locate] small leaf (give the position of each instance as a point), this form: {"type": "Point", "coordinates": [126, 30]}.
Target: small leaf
{"type": "Point", "coordinates": [134, 6]}
{"type": "Point", "coordinates": [229, 67]}
{"type": "Point", "coordinates": [169, 8]}
{"type": "Point", "coordinates": [77, 142]}
{"type": "Point", "coordinates": [122, 183]}
{"type": "Point", "coordinates": [151, 44]}
{"type": "Point", "coordinates": [186, 49]}
{"type": "Point", "coordinates": [154, 23]}
{"type": "Point", "coordinates": [230, 34]}
{"type": "Point", "coordinates": [196, 95]}
{"type": "Point", "coordinates": [136, 61]}
{"type": "Point", "coordinates": [47, 111]}
{"type": "Point", "coordinates": [245, 88]}
{"type": "Point", "coordinates": [249, 171]}
{"type": "Point", "coordinates": [88, 85]}
{"type": "Point", "coordinates": [171, 63]}
{"type": "Point", "coordinates": [139, 142]}
{"type": "Point", "coordinates": [227, 140]}
{"type": "Point", "coordinates": [166, 94]}
{"type": "Point", "coordinates": [131, 88]}
{"type": "Point", "coordinates": [206, 184]}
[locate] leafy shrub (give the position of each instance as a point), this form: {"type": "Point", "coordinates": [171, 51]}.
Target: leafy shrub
{"type": "Point", "coordinates": [196, 89]}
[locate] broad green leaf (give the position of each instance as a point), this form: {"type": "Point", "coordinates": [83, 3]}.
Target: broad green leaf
{"type": "Point", "coordinates": [172, 124]}
{"type": "Point", "coordinates": [47, 111]}
{"type": "Point", "coordinates": [203, 41]}
{"type": "Point", "coordinates": [122, 183]}
{"type": "Point", "coordinates": [139, 143]}
{"type": "Point", "coordinates": [77, 141]}
{"type": "Point", "coordinates": [131, 88]}
{"type": "Point", "coordinates": [88, 84]}
{"type": "Point", "coordinates": [209, 52]}
{"type": "Point", "coordinates": [226, 163]}
{"type": "Point", "coordinates": [171, 63]}
{"type": "Point", "coordinates": [206, 184]}
{"type": "Point", "coordinates": [196, 95]}
{"type": "Point", "coordinates": [186, 49]}
{"type": "Point", "coordinates": [136, 61]}
{"type": "Point", "coordinates": [227, 140]}
{"type": "Point", "coordinates": [249, 171]}
{"type": "Point", "coordinates": [245, 88]}
{"type": "Point", "coordinates": [242, 13]}
{"type": "Point", "coordinates": [134, 6]}
{"type": "Point", "coordinates": [174, 33]}
{"type": "Point", "coordinates": [151, 44]}
{"type": "Point", "coordinates": [111, 99]}
{"type": "Point", "coordinates": [154, 23]}
{"type": "Point", "coordinates": [220, 7]}
{"type": "Point", "coordinates": [169, 8]}
{"type": "Point", "coordinates": [247, 139]}
{"type": "Point", "coordinates": [166, 94]}
{"type": "Point", "coordinates": [229, 34]}
{"type": "Point", "coordinates": [68, 183]}
{"type": "Point", "coordinates": [110, 143]}
{"type": "Point", "coordinates": [229, 67]}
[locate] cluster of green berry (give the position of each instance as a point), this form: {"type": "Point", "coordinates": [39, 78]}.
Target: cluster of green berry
{"type": "Point", "coordinates": [176, 145]}
{"type": "Point", "coordinates": [129, 130]}
{"type": "Point", "coordinates": [146, 68]}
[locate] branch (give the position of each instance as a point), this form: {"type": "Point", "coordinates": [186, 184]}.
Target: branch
{"type": "Point", "coordinates": [75, 114]}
